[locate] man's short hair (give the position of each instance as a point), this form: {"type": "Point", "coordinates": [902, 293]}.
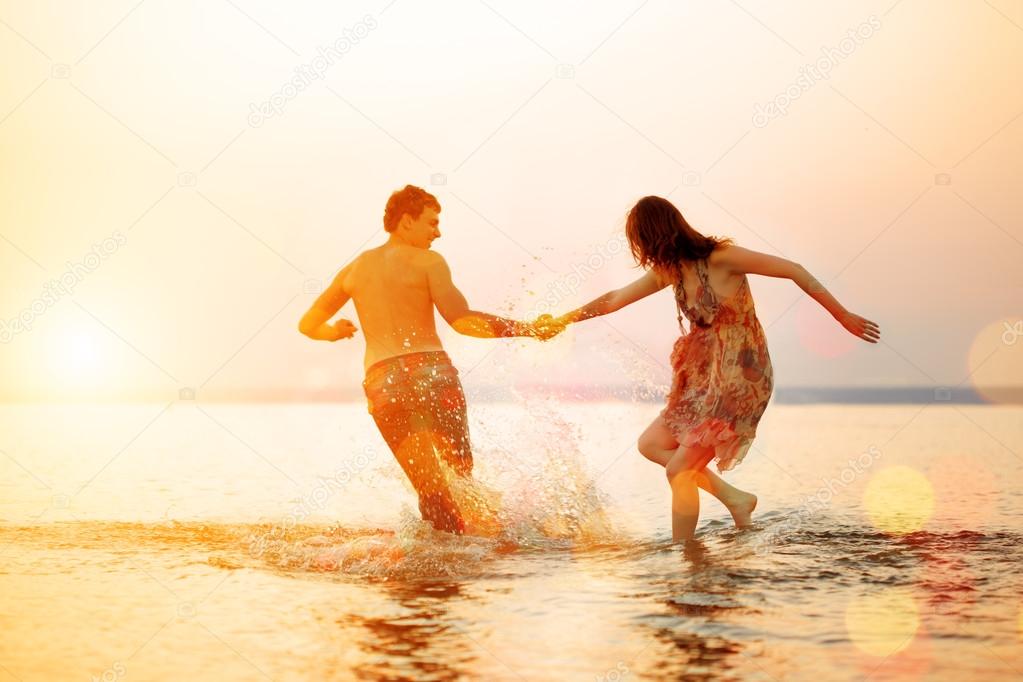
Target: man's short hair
{"type": "Point", "coordinates": [409, 199]}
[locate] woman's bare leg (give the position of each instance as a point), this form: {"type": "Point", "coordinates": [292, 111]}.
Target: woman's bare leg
{"type": "Point", "coordinates": [682, 470]}
{"type": "Point", "coordinates": [659, 445]}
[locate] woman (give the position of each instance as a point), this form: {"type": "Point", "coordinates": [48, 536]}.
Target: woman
{"type": "Point", "coordinates": [722, 376]}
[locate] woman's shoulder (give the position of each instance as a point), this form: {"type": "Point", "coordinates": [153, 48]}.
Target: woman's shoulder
{"type": "Point", "coordinates": [663, 276]}
{"type": "Point", "coordinates": [723, 253]}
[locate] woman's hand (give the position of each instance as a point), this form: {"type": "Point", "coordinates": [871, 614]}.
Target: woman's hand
{"type": "Point", "coordinates": [344, 329]}
{"type": "Point", "coordinates": [860, 326]}
{"type": "Point", "coordinates": [547, 327]}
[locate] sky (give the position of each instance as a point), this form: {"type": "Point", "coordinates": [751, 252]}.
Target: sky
{"type": "Point", "coordinates": [181, 179]}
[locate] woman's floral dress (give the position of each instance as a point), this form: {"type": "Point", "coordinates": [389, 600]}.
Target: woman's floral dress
{"type": "Point", "coordinates": [722, 375]}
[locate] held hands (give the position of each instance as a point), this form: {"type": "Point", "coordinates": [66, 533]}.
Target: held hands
{"type": "Point", "coordinates": [344, 329]}
{"type": "Point", "coordinates": [861, 327]}
{"type": "Point", "coordinates": [546, 327]}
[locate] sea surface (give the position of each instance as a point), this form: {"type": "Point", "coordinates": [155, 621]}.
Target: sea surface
{"type": "Point", "coordinates": [195, 541]}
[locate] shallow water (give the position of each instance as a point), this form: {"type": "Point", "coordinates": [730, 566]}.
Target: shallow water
{"type": "Point", "coordinates": [278, 542]}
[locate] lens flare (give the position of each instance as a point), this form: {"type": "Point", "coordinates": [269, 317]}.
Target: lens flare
{"type": "Point", "coordinates": [884, 623]}
{"type": "Point", "coordinates": [899, 500]}
{"type": "Point", "coordinates": [819, 333]}
{"type": "Point", "coordinates": [995, 361]}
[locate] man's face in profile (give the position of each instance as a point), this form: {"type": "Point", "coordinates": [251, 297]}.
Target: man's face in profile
{"type": "Point", "coordinates": [423, 230]}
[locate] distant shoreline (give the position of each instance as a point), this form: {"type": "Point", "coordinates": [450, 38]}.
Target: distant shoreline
{"type": "Point", "coordinates": [791, 395]}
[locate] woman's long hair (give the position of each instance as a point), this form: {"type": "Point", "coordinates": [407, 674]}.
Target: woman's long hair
{"type": "Point", "coordinates": [660, 237]}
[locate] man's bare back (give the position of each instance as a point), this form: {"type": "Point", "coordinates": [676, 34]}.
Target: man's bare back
{"type": "Point", "coordinates": [395, 288]}
{"type": "Point", "coordinates": [390, 287]}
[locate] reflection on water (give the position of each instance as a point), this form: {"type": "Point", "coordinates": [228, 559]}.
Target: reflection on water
{"type": "Point", "coordinates": [421, 643]}
{"type": "Point", "coordinates": [582, 584]}
{"type": "Point", "coordinates": [695, 605]}
{"type": "Point", "coordinates": [845, 598]}
{"type": "Point", "coordinates": [697, 657]}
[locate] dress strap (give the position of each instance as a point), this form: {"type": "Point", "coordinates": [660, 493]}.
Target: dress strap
{"type": "Point", "coordinates": [701, 270]}
{"type": "Point", "coordinates": [678, 306]}
{"type": "Point", "coordinates": [707, 293]}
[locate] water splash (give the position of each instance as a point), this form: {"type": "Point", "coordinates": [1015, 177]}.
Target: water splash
{"type": "Point", "coordinates": [543, 499]}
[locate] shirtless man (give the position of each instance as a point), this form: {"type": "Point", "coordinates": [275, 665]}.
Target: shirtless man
{"type": "Point", "coordinates": [413, 390]}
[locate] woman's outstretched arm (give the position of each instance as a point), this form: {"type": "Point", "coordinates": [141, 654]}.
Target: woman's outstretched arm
{"type": "Point", "coordinates": [648, 284]}
{"type": "Point", "coordinates": [743, 261]}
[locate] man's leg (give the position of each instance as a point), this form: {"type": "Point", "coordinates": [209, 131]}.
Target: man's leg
{"type": "Point", "coordinates": [478, 504]}
{"type": "Point", "coordinates": [399, 415]}
{"type": "Point", "coordinates": [449, 419]}
{"type": "Point", "coordinates": [419, 457]}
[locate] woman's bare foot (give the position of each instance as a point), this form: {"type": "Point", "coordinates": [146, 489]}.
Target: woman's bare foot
{"type": "Point", "coordinates": [742, 509]}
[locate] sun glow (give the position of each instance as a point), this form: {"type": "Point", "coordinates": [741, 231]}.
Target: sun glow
{"type": "Point", "coordinates": [883, 624]}
{"type": "Point", "coordinates": [82, 359]}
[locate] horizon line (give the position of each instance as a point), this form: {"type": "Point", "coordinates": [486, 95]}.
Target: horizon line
{"type": "Point", "coordinates": [568, 393]}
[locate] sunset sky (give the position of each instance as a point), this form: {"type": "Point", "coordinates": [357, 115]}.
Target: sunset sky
{"type": "Point", "coordinates": [192, 227]}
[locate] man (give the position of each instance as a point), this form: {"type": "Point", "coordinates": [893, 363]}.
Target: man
{"type": "Point", "coordinates": [413, 390]}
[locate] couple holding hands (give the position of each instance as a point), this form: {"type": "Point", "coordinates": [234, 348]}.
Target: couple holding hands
{"type": "Point", "coordinates": [721, 370]}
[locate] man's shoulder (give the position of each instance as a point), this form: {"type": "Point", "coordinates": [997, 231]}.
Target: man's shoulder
{"type": "Point", "coordinates": [428, 258]}
{"type": "Point", "coordinates": [351, 266]}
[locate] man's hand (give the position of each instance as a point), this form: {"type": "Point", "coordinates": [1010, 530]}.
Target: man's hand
{"type": "Point", "coordinates": [344, 330]}
{"type": "Point", "coordinates": [546, 327]}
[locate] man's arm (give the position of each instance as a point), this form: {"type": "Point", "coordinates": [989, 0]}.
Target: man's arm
{"type": "Point", "coordinates": [455, 309]}
{"type": "Point", "coordinates": [314, 323]}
